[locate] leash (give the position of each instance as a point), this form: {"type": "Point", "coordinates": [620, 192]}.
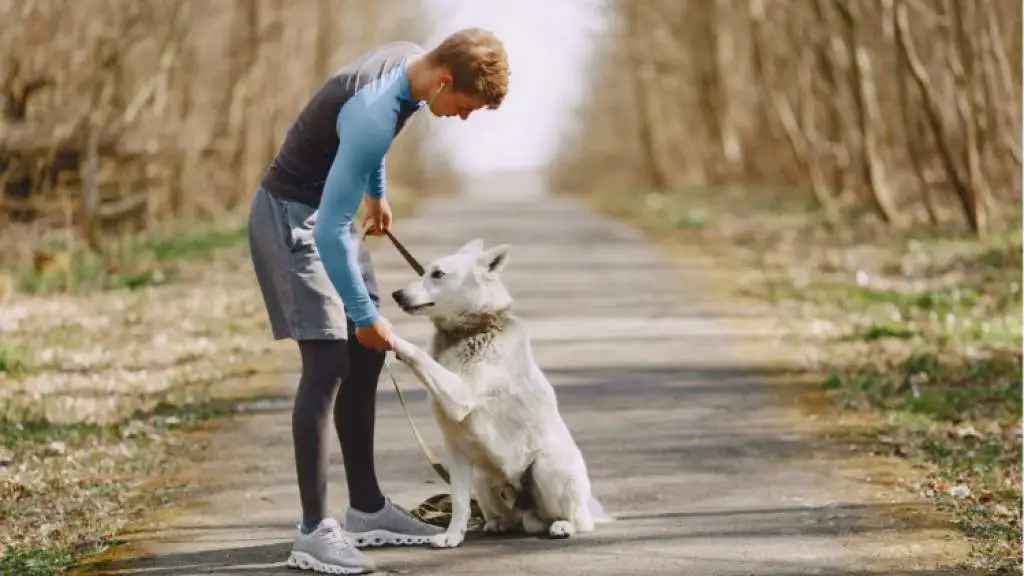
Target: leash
{"type": "Point", "coordinates": [435, 462]}
{"type": "Point", "coordinates": [416, 266]}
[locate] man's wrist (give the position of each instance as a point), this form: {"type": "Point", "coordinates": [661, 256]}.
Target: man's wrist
{"type": "Point", "coordinates": [368, 319]}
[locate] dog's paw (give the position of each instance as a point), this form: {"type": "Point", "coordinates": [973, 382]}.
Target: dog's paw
{"type": "Point", "coordinates": [497, 526]}
{"type": "Point", "coordinates": [401, 357]}
{"type": "Point", "coordinates": [401, 349]}
{"type": "Point", "coordinates": [532, 525]}
{"type": "Point", "coordinates": [447, 540]}
{"type": "Point", "coordinates": [561, 529]}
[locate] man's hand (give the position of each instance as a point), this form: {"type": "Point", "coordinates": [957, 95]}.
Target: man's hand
{"type": "Point", "coordinates": [378, 216]}
{"type": "Point", "coordinates": [376, 336]}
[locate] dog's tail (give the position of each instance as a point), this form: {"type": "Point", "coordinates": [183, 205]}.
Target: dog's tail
{"type": "Point", "coordinates": [597, 512]}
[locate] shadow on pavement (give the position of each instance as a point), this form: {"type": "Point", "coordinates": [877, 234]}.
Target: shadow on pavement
{"type": "Point", "coordinates": [756, 523]}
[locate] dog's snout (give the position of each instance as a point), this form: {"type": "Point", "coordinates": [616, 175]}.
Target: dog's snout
{"type": "Point", "coordinates": [398, 295]}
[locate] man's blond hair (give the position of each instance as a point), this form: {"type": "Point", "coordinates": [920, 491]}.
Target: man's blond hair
{"type": "Point", "coordinates": [478, 64]}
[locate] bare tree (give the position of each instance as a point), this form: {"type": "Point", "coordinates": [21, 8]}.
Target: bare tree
{"type": "Point", "coordinates": [121, 111]}
{"type": "Point", "coordinates": [911, 116]}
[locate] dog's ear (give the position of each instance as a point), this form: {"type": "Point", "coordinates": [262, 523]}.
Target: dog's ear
{"type": "Point", "coordinates": [474, 246]}
{"type": "Point", "coordinates": [493, 261]}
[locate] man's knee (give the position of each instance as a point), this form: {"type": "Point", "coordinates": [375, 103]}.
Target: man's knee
{"type": "Point", "coordinates": [326, 361]}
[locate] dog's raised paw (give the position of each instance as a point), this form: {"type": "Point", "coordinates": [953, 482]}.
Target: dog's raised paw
{"type": "Point", "coordinates": [446, 540]}
{"type": "Point", "coordinates": [561, 529]}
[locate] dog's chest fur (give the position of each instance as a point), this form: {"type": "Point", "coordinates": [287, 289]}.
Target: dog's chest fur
{"type": "Point", "coordinates": [496, 436]}
{"type": "Point", "coordinates": [458, 344]}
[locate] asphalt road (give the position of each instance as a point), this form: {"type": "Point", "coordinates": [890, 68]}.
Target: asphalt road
{"type": "Point", "coordinates": [668, 384]}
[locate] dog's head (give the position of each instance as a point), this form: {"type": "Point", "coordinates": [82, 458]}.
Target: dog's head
{"type": "Point", "coordinates": [465, 282]}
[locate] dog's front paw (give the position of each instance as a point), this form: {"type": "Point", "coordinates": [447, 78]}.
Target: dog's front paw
{"type": "Point", "coordinates": [561, 529]}
{"type": "Point", "coordinates": [447, 540]}
{"type": "Point", "coordinates": [402, 350]}
{"type": "Point", "coordinates": [403, 358]}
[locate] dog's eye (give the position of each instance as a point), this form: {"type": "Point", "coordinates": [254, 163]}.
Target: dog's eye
{"type": "Point", "coordinates": [437, 274]}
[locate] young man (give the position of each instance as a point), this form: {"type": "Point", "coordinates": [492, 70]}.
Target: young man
{"type": "Point", "coordinates": [317, 281]}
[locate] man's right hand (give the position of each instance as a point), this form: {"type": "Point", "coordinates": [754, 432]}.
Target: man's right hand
{"type": "Point", "coordinates": [376, 336]}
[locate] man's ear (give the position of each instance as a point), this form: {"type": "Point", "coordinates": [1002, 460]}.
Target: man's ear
{"type": "Point", "coordinates": [443, 77]}
{"type": "Point", "coordinates": [493, 261]}
{"type": "Point", "coordinates": [474, 246]}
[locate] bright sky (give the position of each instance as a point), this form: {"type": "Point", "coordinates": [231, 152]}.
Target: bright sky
{"type": "Point", "coordinates": [547, 42]}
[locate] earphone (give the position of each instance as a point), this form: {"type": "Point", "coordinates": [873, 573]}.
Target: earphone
{"type": "Point", "coordinates": [439, 88]}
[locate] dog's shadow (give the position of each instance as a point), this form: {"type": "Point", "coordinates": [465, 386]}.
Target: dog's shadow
{"type": "Point", "coordinates": [481, 536]}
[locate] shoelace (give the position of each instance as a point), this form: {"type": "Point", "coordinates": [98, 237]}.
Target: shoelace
{"type": "Point", "coordinates": [334, 537]}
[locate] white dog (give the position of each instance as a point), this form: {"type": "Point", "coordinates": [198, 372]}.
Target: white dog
{"type": "Point", "coordinates": [497, 412]}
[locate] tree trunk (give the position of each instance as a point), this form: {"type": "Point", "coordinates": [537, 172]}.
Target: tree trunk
{"type": "Point", "coordinates": [869, 116]}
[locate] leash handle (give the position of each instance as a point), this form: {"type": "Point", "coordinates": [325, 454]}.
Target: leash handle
{"type": "Point", "coordinates": [409, 259]}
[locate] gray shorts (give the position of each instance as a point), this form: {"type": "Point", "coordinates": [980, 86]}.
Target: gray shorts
{"type": "Point", "coordinates": [301, 301]}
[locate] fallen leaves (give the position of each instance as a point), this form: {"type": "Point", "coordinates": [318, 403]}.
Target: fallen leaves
{"type": "Point", "coordinates": [75, 368]}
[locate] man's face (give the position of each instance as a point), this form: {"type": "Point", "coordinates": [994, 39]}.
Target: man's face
{"type": "Point", "coordinates": [452, 103]}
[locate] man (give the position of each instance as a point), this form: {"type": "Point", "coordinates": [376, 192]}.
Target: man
{"type": "Point", "coordinates": [317, 281]}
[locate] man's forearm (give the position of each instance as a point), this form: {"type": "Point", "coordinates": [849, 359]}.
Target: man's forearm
{"type": "Point", "coordinates": [333, 238]}
{"type": "Point", "coordinates": [338, 254]}
{"type": "Point", "coordinates": [378, 180]}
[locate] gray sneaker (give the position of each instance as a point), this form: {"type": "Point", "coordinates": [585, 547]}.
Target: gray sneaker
{"type": "Point", "coordinates": [327, 550]}
{"type": "Point", "coordinates": [390, 526]}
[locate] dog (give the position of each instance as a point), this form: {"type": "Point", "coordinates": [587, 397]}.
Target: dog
{"type": "Point", "coordinates": [496, 410]}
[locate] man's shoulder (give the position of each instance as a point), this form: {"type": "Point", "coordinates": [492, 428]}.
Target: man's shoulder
{"type": "Point", "coordinates": [379, 60]}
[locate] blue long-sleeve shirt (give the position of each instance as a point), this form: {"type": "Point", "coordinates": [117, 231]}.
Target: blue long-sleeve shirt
{"type": "Point", "coordinates": [335, 152]}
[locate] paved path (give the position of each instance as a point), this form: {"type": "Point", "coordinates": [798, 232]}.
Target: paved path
{"type": "Point", "coordinates": [666, 384]}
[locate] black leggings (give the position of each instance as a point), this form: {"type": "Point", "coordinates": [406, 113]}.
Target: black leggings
{"type": "Point", "coordinates": [325, 364]}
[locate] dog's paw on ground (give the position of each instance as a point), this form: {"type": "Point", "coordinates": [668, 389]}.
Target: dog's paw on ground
{"type": "Point", "coordinates": [497, 526]}
{"type": "Point", "coordinates": [447, 540]}
{"type": "Point", "coordinates": [561, 529]}
{"type": "Point", "coordinates": [532, 525]}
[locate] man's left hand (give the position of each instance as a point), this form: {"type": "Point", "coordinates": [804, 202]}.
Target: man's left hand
{"type": "Point", "coordinates": [378, 216]}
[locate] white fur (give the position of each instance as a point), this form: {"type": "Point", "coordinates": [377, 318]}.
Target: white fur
{"type": "Point", "coordinates": [495, 407]}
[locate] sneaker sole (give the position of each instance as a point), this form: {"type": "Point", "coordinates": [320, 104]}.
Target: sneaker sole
{"type": "Point", "coordinates": [304, 561]}
{"type": "Point", "coordinates": [376, 538]}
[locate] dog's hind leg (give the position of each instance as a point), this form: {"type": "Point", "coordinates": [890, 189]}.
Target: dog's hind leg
{"type": "Point", "coordinates": [533, 525]}
{"type": "Point", "coordinates": [462, 492]}
{"type": "Point", "coordinates": [561, 493]}
{"type": "Point", "coordinates": [443, 384]}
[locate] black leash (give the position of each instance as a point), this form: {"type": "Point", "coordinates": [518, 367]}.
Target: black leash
{"type": "Point", "coordinates": [435, 462]}
{"type": "Point", "coordinates": [405, 253]}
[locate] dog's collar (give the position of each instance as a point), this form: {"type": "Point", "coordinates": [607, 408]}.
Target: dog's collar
{"type": "Point", "coordinates": [469, 325]}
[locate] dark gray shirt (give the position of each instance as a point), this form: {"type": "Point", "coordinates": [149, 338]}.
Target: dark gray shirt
{"type": "Point", "coordinates": [299, 171]}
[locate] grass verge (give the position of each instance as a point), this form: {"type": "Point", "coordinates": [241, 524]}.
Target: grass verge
{"type": "Point", "coordinates": [66, 490]}
{"type": "Point", "coordinates": [918, 331]}
{"type": "Point", "coordinates": [56, 265]}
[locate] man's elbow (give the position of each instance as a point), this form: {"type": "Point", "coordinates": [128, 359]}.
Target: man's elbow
{"type": "Point", "coordinates": [328, 238]}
